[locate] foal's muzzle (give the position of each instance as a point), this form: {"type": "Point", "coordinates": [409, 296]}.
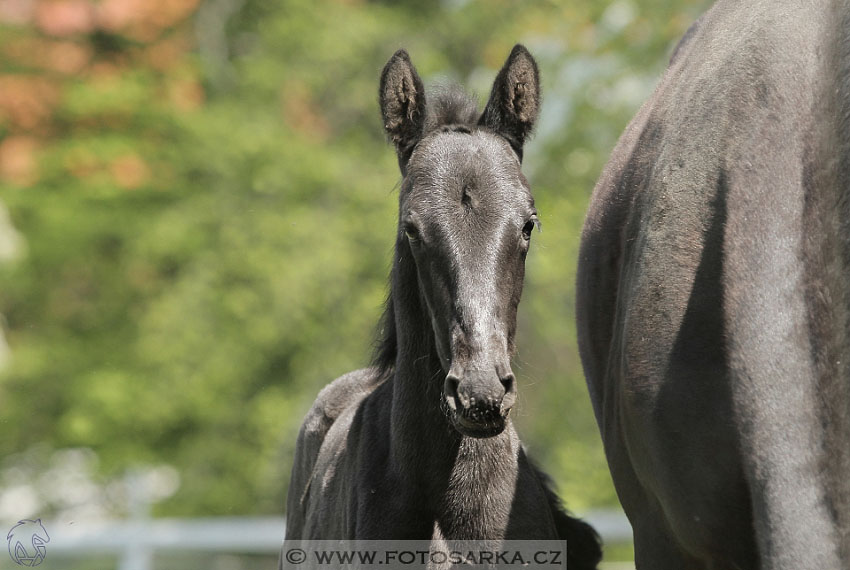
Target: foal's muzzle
{"type": "Point", "coordinates": [479, 402]}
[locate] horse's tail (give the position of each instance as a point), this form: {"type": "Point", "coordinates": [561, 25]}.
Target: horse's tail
{"type": "Point", "coordinates": [584, 547]}
{"type": "Point", "coordinates": [785, 299]}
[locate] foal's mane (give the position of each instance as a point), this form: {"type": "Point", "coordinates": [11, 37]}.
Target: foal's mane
{"type": "Point", "coordinates": [448, 107]}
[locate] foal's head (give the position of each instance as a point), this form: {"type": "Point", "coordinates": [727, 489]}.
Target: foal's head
{"type": "Point", "coordinates": [466, 217]}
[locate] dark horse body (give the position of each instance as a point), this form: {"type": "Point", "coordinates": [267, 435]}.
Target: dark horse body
{"type": "Point", "coordinates": [420, 446]}
{"type": "Point", "coordinates": [713, 296]}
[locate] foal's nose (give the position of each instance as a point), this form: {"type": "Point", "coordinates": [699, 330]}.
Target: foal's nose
{"type": "Point", "coordinates": [479, 395]}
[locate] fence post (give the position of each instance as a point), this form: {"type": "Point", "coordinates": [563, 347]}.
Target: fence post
{"type": "Point", "coordinates": [137, 555]}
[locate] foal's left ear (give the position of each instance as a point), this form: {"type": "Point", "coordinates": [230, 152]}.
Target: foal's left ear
{"type": "Point", "coordinates": [515, 100]}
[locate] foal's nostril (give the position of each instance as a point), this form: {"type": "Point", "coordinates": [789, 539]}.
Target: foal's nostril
{"type": "Point", "coordinates": [508, 383]}
{"type": "Point", "coordinates": [450, 391]}
{"type": "Point", "coordinates": [509, 399]}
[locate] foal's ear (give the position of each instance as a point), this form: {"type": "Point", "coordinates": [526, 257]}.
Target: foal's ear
{"type": "Point", "coordinates": [515, 100]}
{"type": "Point", "coordinates": [402, 97]}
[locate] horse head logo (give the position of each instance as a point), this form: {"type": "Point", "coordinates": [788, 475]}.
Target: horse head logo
{"type": "Point", "coordinates": [27, 541]}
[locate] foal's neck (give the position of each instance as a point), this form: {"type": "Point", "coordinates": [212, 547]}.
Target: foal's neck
{"type": "Point", "coordinates": [467, 484]}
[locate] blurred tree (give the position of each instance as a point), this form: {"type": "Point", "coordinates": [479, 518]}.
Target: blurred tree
{"type": "Point", "coordinates": [208, 206]}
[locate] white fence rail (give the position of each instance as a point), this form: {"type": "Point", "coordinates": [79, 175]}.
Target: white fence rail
{"type": "Point", "coordinates": [136, 541]}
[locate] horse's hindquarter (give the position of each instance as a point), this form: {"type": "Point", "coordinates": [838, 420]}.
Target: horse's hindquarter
{"type": "Point", "coordinates": [694, 301]}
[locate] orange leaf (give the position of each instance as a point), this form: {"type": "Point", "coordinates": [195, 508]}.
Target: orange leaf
{"type": "Point", "coordinates": [17, 160]}
{"type": "Point", "coordinates": [130, 171]}
{"type": "Point", "coordinates": [64, 17]}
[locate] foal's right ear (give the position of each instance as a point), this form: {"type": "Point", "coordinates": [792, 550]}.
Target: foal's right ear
{"type": "Point", "coordinates": [402, 98]}
{"type": "Point", "coordinates": [515, 100]}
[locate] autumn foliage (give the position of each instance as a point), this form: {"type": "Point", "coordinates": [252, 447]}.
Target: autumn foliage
{"type": "Point", "coordinates": [50, 47]}
{"type": "Point", "coordinates": [206, 207]}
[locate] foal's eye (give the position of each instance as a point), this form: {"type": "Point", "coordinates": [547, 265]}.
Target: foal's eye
{"type": "Point", "coordinates": [529, 227]}
{"type": "Point", "coordinates": [411, 232]}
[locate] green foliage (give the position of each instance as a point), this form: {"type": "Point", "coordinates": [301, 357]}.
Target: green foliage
{"type": "Point", "coordinates": [208, 236]}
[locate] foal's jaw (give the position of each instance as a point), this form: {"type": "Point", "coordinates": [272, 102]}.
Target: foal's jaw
{"type": "Point", "coordinates": [478, 430]}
